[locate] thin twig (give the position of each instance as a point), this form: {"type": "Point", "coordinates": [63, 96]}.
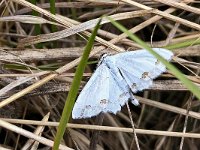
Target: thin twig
{"type": "Point", "coordinates": [186, 121]}
{"type": "Point", "coordinates": [133, 127]}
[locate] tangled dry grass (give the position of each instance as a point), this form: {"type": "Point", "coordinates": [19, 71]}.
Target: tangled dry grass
{"type": "Point", "coordinates": [39, 52]}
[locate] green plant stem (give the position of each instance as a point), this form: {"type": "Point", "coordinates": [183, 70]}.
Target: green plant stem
{"type": "Point", "coordinates": [74, 89]}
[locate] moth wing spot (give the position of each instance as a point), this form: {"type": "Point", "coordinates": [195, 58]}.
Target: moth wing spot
{"type": "Point", "coordinates": [134, 85]}
{"type": "Point", "coordinates": [103, 102]}
{"type": "Point", "coordinates": [83, 110]}
{"type": "Point", "coordinates": [157, 62]}
{"type": "Point", "coordinates": [145, 75]}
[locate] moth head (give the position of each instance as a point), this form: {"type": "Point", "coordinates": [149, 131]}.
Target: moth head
{"type": "Point", "coordinates": [103, 56]}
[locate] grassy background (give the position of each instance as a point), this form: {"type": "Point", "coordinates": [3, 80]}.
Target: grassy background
{"type": "Point", "coordinates": [40, 53]}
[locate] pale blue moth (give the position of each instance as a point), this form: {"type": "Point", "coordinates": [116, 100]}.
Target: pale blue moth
{"type": "Point", "coordinates": [116, 78]}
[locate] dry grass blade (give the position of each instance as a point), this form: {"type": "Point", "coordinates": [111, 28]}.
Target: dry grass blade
{"type": "Point", "coordinates": [168, 107]}
{"type": "Point", "coordinates": [149, 102]}
{"type": "Point", "coordinates": [79, 28]}
{"type": "Point", "coordinates": [15, 83]}
{"type": "Point", "coordinates": [3, 148]}
{"type": "Point", "coordinates": [74, 52]}
{"type": "Point", "coordinates": [25, 73]}
{"type": "Point", "coordinates": [28, 134]}
{"type": "Point", "coordinates": [66, 22]}
{"type": "Point", "coordinates": [163, 14]}
{"type": "Point", "coordinates": [27, 19]}
{"type": "Point", "coordinates": [120, 129]}
{"type": "Point", "coordinates": [181, 5]}
{"type": "Point", "coordinates": [37, 131]}
{"type": "Point", "coordinates": [159, 85]}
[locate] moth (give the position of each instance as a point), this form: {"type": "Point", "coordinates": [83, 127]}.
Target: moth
{"type": "Point", "coordinates": [116, 79]}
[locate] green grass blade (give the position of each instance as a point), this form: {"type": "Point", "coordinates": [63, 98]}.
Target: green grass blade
{"type": "Point", "coordinates": [74, 89]}
{"type": "Point", "coordinates": [37, 28]}
{"type": "Point", "coordinates": [183, 44]}
{"type": "Point", "coordinates": [53, 11]}
{"type": "Point", "coordinates": [191, 86]}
